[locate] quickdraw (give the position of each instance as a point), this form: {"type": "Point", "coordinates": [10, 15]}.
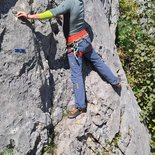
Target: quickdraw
{"type": "Point", "coordinates": [74, 50]}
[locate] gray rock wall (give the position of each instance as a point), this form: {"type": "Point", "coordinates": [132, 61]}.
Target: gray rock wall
{"type": "Point", "coordinates": [36, 89]}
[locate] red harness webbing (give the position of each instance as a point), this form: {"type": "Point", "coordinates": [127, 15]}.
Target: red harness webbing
{"type": "Point", "coordinates": [80, 53]}
{"type": "Point", "coordinates": [76, 37]}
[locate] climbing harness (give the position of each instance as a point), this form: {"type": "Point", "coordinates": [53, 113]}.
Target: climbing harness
{"type": "Point", "coordinates": [73, 41]}
{"type": "Point", "coordinates": [73, 49]}
{"type": "Point", "coordinates": [76, 37]}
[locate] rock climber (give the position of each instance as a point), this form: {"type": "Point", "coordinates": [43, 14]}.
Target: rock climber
{"type": "Point", "coordinates": [78, 45]}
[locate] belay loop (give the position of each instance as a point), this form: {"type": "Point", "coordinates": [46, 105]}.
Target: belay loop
{"type": "Point", "coordinates": [73, 49]}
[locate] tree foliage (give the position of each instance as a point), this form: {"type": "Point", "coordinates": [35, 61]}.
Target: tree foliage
{"type": "Point", "coordinates": [136, 46]}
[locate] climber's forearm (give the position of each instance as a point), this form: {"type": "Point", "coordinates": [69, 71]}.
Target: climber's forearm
{"type": "Point", "coordinates": [34, 16]}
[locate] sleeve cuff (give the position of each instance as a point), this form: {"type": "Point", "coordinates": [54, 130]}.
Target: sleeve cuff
{"type": "Point", "coordinates": [46, 15]}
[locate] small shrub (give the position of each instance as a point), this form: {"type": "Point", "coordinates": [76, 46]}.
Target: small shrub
{"type": "Point", "coordinates": [136, 47]}
{"type": "Point", "coordinates": [7, 152]}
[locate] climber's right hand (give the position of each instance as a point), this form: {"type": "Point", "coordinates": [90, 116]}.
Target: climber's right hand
{"type": "Point", "coordinates": [22, 14]}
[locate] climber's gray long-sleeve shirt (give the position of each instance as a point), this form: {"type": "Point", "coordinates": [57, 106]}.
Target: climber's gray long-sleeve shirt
{"type": "Point", "coordinates": [73, 11]}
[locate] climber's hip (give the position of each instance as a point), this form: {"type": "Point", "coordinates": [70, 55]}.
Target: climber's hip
{"type": "Point", "coordinates": [76, 37]}
{"type": "Point", "coordinates": [80, 48]}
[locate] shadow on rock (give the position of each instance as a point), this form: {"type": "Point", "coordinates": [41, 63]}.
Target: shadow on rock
{"type": "Point", "coordinates": [46, 92]}
{"type": "Point", "coordinates": [5, 6]}
{"type": "Point", "coordinates": [117, 89]}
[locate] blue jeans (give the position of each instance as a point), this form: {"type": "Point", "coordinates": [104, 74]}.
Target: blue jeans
{"type": "Point", "coordinates": [76, 71]}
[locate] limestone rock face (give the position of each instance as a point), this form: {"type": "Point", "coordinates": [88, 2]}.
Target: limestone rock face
{"type": "Point", "coordinates": [36, 90]}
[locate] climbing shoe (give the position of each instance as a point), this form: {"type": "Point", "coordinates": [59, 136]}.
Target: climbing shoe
{"type": "Point", "coordinates": [75, 112]}
{"type": "Point", "coordinates": [118, 87]}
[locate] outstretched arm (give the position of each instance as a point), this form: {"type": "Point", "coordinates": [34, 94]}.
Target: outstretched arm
{"type": "Point", "coordinates": [64, 7]}
{"type": "Point", "coordinates": [41, 16]}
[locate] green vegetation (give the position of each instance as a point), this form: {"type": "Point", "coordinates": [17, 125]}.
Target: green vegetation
{"type": "Point", "coordinates": [50, 149]}
{"type": "Point", "coordinates": [136, 46]}
{"type": "Point", "coordinates": [7, 152]}
{"type": "Point", "coordinates": [105, 153]}
{"type": "Point", "coordinates": [116, 139]}
{"type": "Point", "coordinates": [66, 113]}
{"type": "Point", "coordinates": [111, 145]}
{"type": "Point", "coordinates": [47, 149]}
